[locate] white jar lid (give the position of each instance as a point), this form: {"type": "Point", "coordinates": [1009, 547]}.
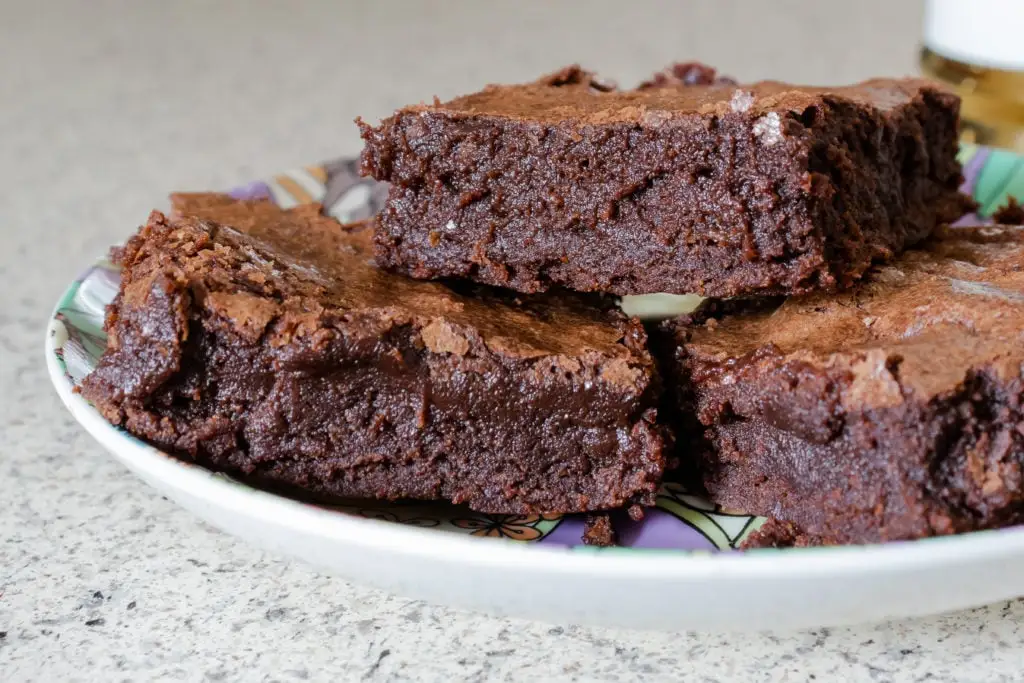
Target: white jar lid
{"type": "Point", "coordinates": [982, 32]}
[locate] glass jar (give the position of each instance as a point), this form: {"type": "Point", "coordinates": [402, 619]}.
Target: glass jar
{"type": "Point", "coordinates": [977, 48]}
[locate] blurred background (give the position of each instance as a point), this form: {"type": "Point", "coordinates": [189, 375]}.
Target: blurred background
{"type": "Point", "coordinates": [123, 101]}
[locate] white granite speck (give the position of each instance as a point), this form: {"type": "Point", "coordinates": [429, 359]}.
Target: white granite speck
{"type": "Point", "coordinates": [104, 107]}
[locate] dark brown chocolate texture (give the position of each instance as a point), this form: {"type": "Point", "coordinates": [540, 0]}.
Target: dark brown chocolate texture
{"type": "Point", "coordinates": [263, 342]}
{"type": "Point", "coordinates": [893, 411]}
{"type": "Point", "coordinates": [714, 189]}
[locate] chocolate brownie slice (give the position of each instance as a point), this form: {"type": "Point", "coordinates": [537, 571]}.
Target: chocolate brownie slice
{"type": "Point", "coordinates": [893, 411]}
{"type": "Point", "coordinates": [263, 342]}
{"type": "Point", "coordinates": [712, 189]}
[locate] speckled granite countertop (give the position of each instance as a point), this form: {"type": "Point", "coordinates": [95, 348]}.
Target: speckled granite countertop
{"type": "Point", "coordinates": [106, 106]}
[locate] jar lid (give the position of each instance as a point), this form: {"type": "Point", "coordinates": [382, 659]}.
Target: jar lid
{"type": "Point", "coordinates": [981, 32]}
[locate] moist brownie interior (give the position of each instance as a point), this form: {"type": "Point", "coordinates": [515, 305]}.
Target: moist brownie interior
{"type": "Point", "coordinates": [264, 342]}
{"type": "Point", "coordinates": [717, 189]}
{"type": "Point", "coordinates": [893, 411]}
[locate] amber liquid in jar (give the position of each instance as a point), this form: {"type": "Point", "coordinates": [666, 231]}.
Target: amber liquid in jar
{"type": "Point", "coordinates": [977, 49]}
{"type": "Point", "coordinates": [992, 108]}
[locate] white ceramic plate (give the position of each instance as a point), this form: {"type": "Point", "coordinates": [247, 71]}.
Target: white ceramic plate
{"type": "Point", "coordinates": [678, 570]}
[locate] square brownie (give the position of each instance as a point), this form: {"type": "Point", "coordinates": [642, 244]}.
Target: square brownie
{"type": "Point", "coordinates": [263, 342]}
{"type": "Point", "coordinates": [716, 189]}
{"type": "Point", "coordinates": [892, 411]}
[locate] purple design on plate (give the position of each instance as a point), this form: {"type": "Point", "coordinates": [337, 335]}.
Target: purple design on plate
{"type": "Point", "coordinates": [659, 529]}
{"type": "Point", "coordinates": [568, 532]}
{"type": "Point", "coordinates": [254, 190]}
{"type": "Point", "coordinates": [972, 169]}
{"type": "Point", "coordinates": [970, 219]}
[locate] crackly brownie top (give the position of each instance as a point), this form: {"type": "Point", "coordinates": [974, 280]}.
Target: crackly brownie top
{"type": "Point", "coordinates": [919, 323]}
{"type": "Point", "coordinates": [571, 95]}
{"type": "Point", "coordinates": [257, 262]}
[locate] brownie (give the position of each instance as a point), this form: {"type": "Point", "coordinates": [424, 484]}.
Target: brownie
{"type": "Point", "coordinates": [1011, 213]}
{"type": "Point", "coordinates": [892, 411]}
{"type": "Point", "coordinates": [263, 342]}
{"type": "Point", "coordinates": [713, 189]}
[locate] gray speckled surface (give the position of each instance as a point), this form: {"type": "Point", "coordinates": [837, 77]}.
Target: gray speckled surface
{"type": "Point", "coordinates": [106, 106]}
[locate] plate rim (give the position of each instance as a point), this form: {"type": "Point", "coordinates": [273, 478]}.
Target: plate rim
{"type": "Point", "coordinates": [966, 549]}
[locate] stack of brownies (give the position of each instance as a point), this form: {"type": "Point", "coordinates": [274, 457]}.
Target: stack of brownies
{"type": "Point", "coordinates": [467, 344]}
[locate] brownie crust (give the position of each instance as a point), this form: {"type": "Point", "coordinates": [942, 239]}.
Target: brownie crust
{"type": "Point", "coordinates": [894, 411]}
{"type": "Point", "coordinates": [717, 189]}
{"type": "Point", "coordinates": [264, 343]}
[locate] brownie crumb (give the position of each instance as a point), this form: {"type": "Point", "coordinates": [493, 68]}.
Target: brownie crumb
{"type": "Point", "coordinates": [774, 534]}
{"type": "Point", "coordinates": [637, 223]}
{"type": "Point", "coordinates": [599, 531]}
{"type": "Point", "coordinates": [272, 302]}
{"type": "Point", "coordinates": [636, 513]}
{"type": "Point", "coordinates": [1012, 213]}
